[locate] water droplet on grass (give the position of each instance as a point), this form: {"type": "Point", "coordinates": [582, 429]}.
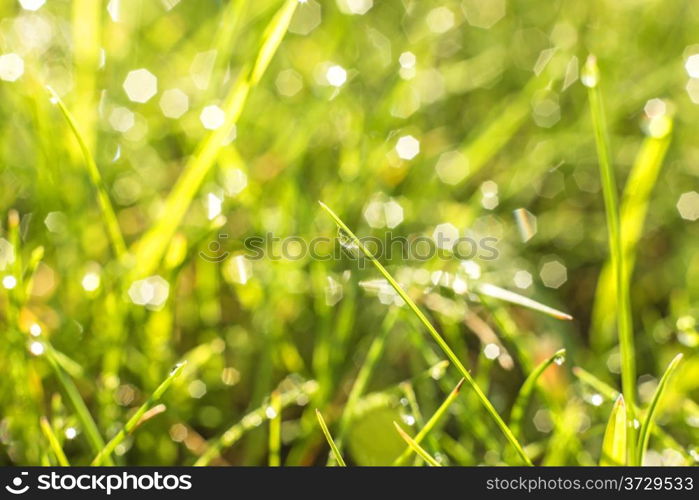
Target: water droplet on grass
{"type": "Point", "coordinates": [346, 240]}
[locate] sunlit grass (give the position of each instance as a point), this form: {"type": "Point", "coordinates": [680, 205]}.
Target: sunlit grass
{"type": "Point", "coordinates": [126, 228]}
{"type": "Point", "coordinates": [138, 416]}
{"type": "Point", "coordinates": [591, 79]}
{"type": "Point", "coordinates": [435, 335]}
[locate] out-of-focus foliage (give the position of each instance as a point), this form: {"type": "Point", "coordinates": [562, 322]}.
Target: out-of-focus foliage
{"type": "Point", "coordinates": [423, 119]}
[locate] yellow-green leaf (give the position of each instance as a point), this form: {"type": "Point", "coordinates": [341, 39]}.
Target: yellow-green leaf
{"type": "Point", "coordinates": [614, 443]}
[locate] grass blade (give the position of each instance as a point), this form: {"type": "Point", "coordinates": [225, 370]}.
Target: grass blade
{"type": "Point", "coordinates": [135, 419]}
{"type": "Point", "coordinates": [634, 207]}
{"type": "Point", "coordinates": [527, 389]}
{"type": "Point", "coordinates": [151, 247]}
{"type": "Point", "coordinates": [361, 381]}
{"type": "Point", "coordinates": [416, 447]}
{"type": "Point", "coordinates": [53, 442]}
{"type": "Point", "coordinates": [329, 439]}
{"type": "Point", "coordinates": [275, 430]}
{"type": "Point", "coordinates": [588, 378]}
{"type": "Point", "coordinates": [644, 435]}
{"type": "Point", "coordinates": [83, 414]}
{"type": "Point", "coordinates": [431, 423]}
{"type": "Point", "coordinates": [614, 442]}
{"type": "Point", "coordinates": [271, 38]}
{"type": "Point", "coordinates": [501, 126]}
{"type": "Point", "coordinates": [590, 78]}
{"type": "Point", "coordinates": [87, 41]}
{"type": "Point", "coordinates": [105, 203]}
{"type": "Point", "coordinates": [500, 293]}
{"type": "Point", "coordinates": [250, 421]}
{"type": "Point", "coordinates": [611, 393]}
{"type": "Point", "coordinates": [435, 335]}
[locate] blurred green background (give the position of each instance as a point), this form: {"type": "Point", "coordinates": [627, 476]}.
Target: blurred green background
{"type": "Point", "coordinates": [401, 116]}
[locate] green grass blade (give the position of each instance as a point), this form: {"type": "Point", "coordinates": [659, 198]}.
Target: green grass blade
{"type": "Point", "coordinates": [275, 430]}
{"type": "Point", "coordinates": [231, 24]}
{"type": "Point", "coordinates": [416, 447]}
{"type": "Point", "coordinates": [435, 335]}
{"type": "Point", "coordinates": [500, 293]}
{"type": "Point", "coordinates": [634, 207]}
{"type": "Point", "coordinates": [34, 260]}
{"type": "Point", "coordinates": [646, 426]}
{"type": "Point", "coordinates": [87, 42]}
{"type": "Point", "coordinates": [500, 127]}
{"type": "Point", "coordinates": [527, 389]}
{"type": "Point", "coordinates": [135, 419]}
{"type": "Point", "coordinates": [359, 386]}
{"type": "Point", "coordinates": [588, 378]}
{"type": "Point", "coordinates": [329, 439]}
{"type": "Point", "coordinates": [53, 442]}
{"type": "Point", "coordinates": [150, 248]}
{"type": "Point", "coordinates": [611, 393]}
{"type": "Point", "coordinates": [105, 203]}
{"type": "Point", "coordinates": [250, 421]}
{"type": "Point", "coordinates": [590, 78]}
{"type": "Point", "coordinates": [83, 414]}
{"type": "Point", "coordinates": [272, 37]}
{"type": "Point", "coordinates": [431, 423]}
{"type": "Point", "coordinates": [614, 442]}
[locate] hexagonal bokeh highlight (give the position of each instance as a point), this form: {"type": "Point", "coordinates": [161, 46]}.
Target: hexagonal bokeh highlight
{"type": "Point", "coordinates": [212, 117]}
{"type": "Point", "coordinates": [483, 14]}
{"type": "Point", "coordinates": [688, 205]}
{"type": "Point", "coordinates": [306, 18]}
{"type": "Point", "coordinates": [288, 83]}
{"type": "Point", "coordinates": [355, 7]}
{"type": "Point", "coordinates": [174, 103]}
{"type": "Point", "coordinates": [407, 147]}
{"type": "Point", "coordinates": [553, 273]}
{"type": "Point", "coordinates": [11, 67]}
{"type": "Point", "coordinates": [140, 85]}
{"type": "Point", "coordinates": [32, 4]}
{"type": "Point", "coordinates": [445, 235]}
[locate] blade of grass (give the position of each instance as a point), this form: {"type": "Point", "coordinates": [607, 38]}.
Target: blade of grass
{"type": "Point", "coordinates": [430, 424]}
{"type": "Point", "coordinates": [634, 207]}
{"type": "Point", "coordinates": [135, 419]}
{"type": "Point", "coordinates": [588, 378]}
{"type": "Point", "coordinates": [611, 393]}
{"type": "Point", "coordinates": [329, 439]}
{"type": "Point", "coordinates": [416, 447]}
{"type": "Point", "coordinates": [85, 18]}
{"type": "Point", "coordinates": [646, 426]}
{"type": "Point", "coordinates": [500, 127]}
{"type": "Point", "coordinates": [435, 335]}
{"type": "Point", "coordinates": [113, 230]}
{"type": "Point", "coordinates": [91, 432]}
{"type": "Point", "coordinates": [275, 430]}
{"type": "Point", "coordinates": [251, 421]}
{"type": "Point", "coordinates": [614, 442]}
{"type": "Point", "coordinates": [527, 389]}
{"type": "Point", "coordinates": [34, 260]}
{"type": "Point", "coordinates": [590, 79]}
{"type": "Point", "coordinates": [371, 360]}
{"type": "Point", "coordinates": [500, 293]}
{"type": "Point", "coordinates": [230, 25]}
{"type": "Point", "coordinates": [53, 442]}
{"type": "Point", "coordinates": [151, 247]}
{"type": "Point", "coordinates": [408, 391]}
